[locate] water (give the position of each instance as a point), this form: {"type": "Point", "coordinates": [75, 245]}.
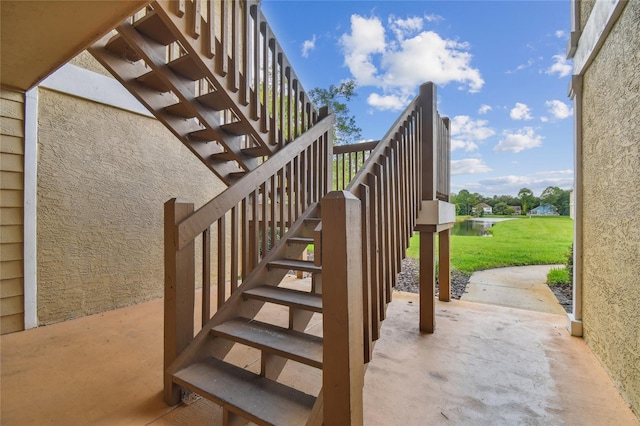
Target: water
{"type": "Point", "coordinates": [473, 228]}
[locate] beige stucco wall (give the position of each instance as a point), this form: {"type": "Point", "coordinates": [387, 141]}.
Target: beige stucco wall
{"type": "Point", "coordinates": [103, 177]}
{"type": "Point", "coordinates": [611, 238]}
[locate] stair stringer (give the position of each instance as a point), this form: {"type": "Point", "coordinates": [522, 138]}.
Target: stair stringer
{"type": "Point", "coordinates": [203, 345]}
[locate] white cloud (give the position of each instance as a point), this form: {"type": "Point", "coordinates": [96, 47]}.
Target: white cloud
{"type": "Point", "coordinates": [520, 112]}
{"type": "Point", "coordinates": [484, 108]}
{"type": "Point", "coordinates": [366, 38]}
{"type": "Point", "coordinates": [387, 102]}
{"type": "Point", "coordinates": [519, 140]}
{"type": "Point", "coordinates": [561, 66]}
{"type": "Point", "coordinates": [522, 67]}
{"type": "Point", "coordinates": [307, 46]}
{"type": "Point", "coordinates": [558, 109]}
{"type": "Point", "coordinates": [469, 166]}
{"type": "Point", "coordinates": [407, 59]}
{"type": "Point", "coordinates": [433, 18]}
{"type": "Point", "coordinates": [560, 34]}
{"type": "Point", "coordinates": [512, 184]}
{"type": "Point", "coordinates": [466, 132]}
{"type": "Point", "coordinates": [405, 27]}
{"type": "Point", "coordinates": [544, 119]}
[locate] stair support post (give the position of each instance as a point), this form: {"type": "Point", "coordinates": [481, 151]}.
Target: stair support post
{"type": "Point", "coordinates": [179, 288]}
{"type": "Point", "coordinates": [343, 353]}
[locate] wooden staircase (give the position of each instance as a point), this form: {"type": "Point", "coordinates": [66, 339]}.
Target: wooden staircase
{"type": "Point", "coordinates": [258, 396]}
{"type": "Point", "coordinates": [213, 73]}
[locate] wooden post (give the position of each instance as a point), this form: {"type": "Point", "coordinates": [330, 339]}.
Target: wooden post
{"type": "Point", "coordinates": [444, 262]}
{"type": "Point", "coordinates": [179, 288]}
{"type": "Point", "coordinates": [429, 136]}
{"type": "Point", "coordinates": [427, 282]}
{"type": "Point", "coordinates": [343, 360]}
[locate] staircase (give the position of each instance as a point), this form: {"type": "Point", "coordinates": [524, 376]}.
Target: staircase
{"type": "Point", "coordinates": [216, 77]}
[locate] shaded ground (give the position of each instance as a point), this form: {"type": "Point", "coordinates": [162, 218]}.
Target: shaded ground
{"type": "Point", "coordinates": [408, 279]}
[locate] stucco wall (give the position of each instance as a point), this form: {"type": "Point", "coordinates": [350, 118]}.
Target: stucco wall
{"type": "Point", "coordinates": [611, 156]}
{"type": "Point", "coordinates": [103, 177]}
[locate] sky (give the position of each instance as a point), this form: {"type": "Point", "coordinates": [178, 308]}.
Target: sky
{"type": "Point", "coordinates": [500, 68]}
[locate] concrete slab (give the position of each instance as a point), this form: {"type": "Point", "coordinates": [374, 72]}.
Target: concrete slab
{"type": "Point", "coordinates": [520, 287]}
{"type": "Point", "coordinates": [484, 365]}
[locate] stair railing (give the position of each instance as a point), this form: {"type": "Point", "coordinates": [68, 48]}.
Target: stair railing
{"type": "Point", "coordinates": [248, 220]}
{"type": "Point", "coordinates": [243, 60]}
{"type": "Point", "coordinates": [347, 160]}
{"type": "Point", "coordinates": [372, 221]}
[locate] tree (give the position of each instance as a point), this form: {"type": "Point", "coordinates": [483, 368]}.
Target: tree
{"type": "Point", "coordinates": [500, 208]}
{"type": "Point", "coordinates": [527, 199]}
{"type": "Point", "coordinates": [335, 97]}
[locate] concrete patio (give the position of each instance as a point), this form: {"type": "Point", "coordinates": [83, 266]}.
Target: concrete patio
{"type": "Point", "coordinates": [485, 365]}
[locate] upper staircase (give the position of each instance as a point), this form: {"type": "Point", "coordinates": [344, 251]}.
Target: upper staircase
{"type": "Point", "coordinates": [215, 75]}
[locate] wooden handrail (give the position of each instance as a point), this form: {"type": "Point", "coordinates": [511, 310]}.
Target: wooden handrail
{"type": "Point", "coordinates": [209, 213]}
{"type": "Point", "coordinates": [355, 147]}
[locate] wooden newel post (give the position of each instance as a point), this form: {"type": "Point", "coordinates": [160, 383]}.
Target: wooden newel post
{"type": "Point", "coordinates": [179, 287]}
{"type": "Point", "coordinates": [343, 359]}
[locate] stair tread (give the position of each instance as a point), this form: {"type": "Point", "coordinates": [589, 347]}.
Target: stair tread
{"type": "Point", "coordinates": [204, 135]}
{"type": "Point", "coordinates": [235, 128]}
{"type": "Point", "coordinates": [152, 26]}
{"type": "Point", "coordinates": [255, 151]}
{"type": "Point", "coordinates": [119, 46]}
{"type": "Point", "coordinates": [300, 240]}
{"type": "Point", "coordinates": [296, 265]}
{"type": "Point", "coordinates": [258, 398]}
{"type": "Point", "coordinates": [213, 100]}
{"type": "Point", "coordinates": [187, 67]}
{"type": "Point", "coordinates": [290, 344]}
{"type": "Point", "coordinates": [288, 297]}
{"type": "Point", "coordinates": [181, 110]}
{"type": "Point", "coordinates": [152, 80]}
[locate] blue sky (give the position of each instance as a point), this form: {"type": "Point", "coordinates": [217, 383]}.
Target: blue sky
{"type": "Point", "coordinates": [499, 65]}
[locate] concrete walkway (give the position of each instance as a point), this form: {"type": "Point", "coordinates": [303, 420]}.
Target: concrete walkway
{"type": "Point", "coordinates": [484, 365]}
{"type": "Point", "coordinates": [522, 287]}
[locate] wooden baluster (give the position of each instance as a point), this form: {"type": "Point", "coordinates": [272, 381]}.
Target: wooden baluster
{"type": "Point", "coordinates": [246, 238]}
{"type": "Point", "coordinates": [206, 276]}
{"type": "Point", "coordinates": [211, 29]}
{"type": "Point", "coordinates": [264, 219]}
{"type": "Point", "coordinates": [282, 199]}
{"type": "Point", "coordinates": [234, 249]}
{"type": "Point", "coordinates": [222, 258]}
{"type": "Point", "coordinates": [255, 238]}
{"type": "Point", "coordinates": [255, 65]}
{"type": "Point", "coordinates": [245, 41]}
{"type": "Point", "coordinates": [197, 19]}
{"type": "Point", "coordinates": [273, 224]}
{"type": "Point", "coordinates": [365, 211]}
{"type": "Point", "coordinates": [290, 195]}
{"type": "Point", "coordinates": [281, 93]}
{"type": "Point", "coordinates": [273, 99]}
{"type": "Point", "coordinates": [374, 256]}
{"type": "Point", "coordinates": [382, 236]}
{"type": "Point", "coordinates": [236, 39]}
{"type": "Point", "coordinates": [290, 96]}
{"type": "Point", "coordinates": [222, 55]}
{"type": "Point", "coordinates": [179, 288]}
{"type": "Point", "coordinates": [264, 99]}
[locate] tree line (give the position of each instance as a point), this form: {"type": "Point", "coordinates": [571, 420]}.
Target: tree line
{"type": "Point", "coordinates": [504, 204]}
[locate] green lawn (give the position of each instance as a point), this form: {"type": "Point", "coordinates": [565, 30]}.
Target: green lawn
{"type": "Point", "coordinates": [528, 241]}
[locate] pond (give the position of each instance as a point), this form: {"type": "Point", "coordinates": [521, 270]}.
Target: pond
{"type": "Point", "coordinates": [474, 227]}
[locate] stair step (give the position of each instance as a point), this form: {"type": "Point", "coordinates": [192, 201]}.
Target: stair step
{"type": "Point", "coordinates": [235, 128]}
{"type": "Point", "coordinates": [312, 221]}
{"type": "Point", "coordinates": [222, 157]}
{"type": "Point", "coordinates": [152, 80]}
{"type": "Point", "coordinates": [287, 297]}
{"type": "Point", "coordinates": [257, 398]}
{"type": "Point", "coordinates": [152, 26]}
{"type": "Point", "coordinates": [300, 240]}
{"type": "Point", "coordinates": [204, 135]}
{"type": "Point", "coordinates": [238, 175]}
{"type": "Point", "coordinates": [296, 265]}
{"type": "Point", "coordinates": [181, 110]}
{"type": "Point", "coordinates": [290, 344]}
{"type": "Point", "coordinates": [118, 46]}
{"type": "Point", "coordinates": [187, 67]}
{"type": "Point", "coordinates": [213, 100]}
{"type": "Point", "coordinates": [256, 151]}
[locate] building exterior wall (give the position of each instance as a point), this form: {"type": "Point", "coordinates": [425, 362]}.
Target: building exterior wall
{"type": "Point", "coordinates": [103, 177]}
{"type": "Point", "coordinates": [11, 211]}
{"type": "Point", "coordinates": [611, 235]}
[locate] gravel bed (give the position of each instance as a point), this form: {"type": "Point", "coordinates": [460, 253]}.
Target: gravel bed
{"type": "Point", "coordinates": [564, 294]}
{"type": "Point", "coordinates": [408, 279]}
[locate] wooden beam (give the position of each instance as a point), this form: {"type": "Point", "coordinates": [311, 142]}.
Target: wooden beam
{"type": "Point", "coordinates": [427, 282]}
{"type": "Point", "coordinates": [343, 361]}
{"type": "Point", "coordinates": [444, 262]}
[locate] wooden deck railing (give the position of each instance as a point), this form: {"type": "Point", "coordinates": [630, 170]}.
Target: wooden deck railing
{"type": "Point", "coordinates": [248, 218]}
{"type": "Point", "coordinates": [370, 224]}
{"type": "Point", "coordinates": [347, 160]}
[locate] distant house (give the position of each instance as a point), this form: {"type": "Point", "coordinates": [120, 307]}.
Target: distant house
{"type": "Point", "coordinates": [486, 208]}
{"type": "Point", "coordinates": [543, 210]}
{"type": "Point", "coordinates": [517, 210]}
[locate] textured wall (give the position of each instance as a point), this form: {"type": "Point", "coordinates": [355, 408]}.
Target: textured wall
{"type": "Point", "coordinates": [585, 9]}
{"type": "Point", "coordinates": [11, 211]}
{"type": "Point", "coordinates": [103, 177]}
{"type": "Point", "coordinates": [611, 144]}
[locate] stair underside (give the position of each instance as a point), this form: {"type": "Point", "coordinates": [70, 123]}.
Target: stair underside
{"type": "Point", "coordinates": [256, 398]}
{"type": "Point", "coordinates": [296, 265]}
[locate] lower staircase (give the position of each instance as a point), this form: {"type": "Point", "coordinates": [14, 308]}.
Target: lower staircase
{"type": "Point", "coordinates": [257, 396]}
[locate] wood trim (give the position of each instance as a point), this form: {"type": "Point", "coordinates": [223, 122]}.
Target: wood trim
{"type": "Point", "coordinates": [30, 209]}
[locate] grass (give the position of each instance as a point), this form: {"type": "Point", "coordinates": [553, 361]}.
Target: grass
{"type": "Point", "coordinates": [529, 241]}
{"type": "Point", "coordinates": [558, 276]}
